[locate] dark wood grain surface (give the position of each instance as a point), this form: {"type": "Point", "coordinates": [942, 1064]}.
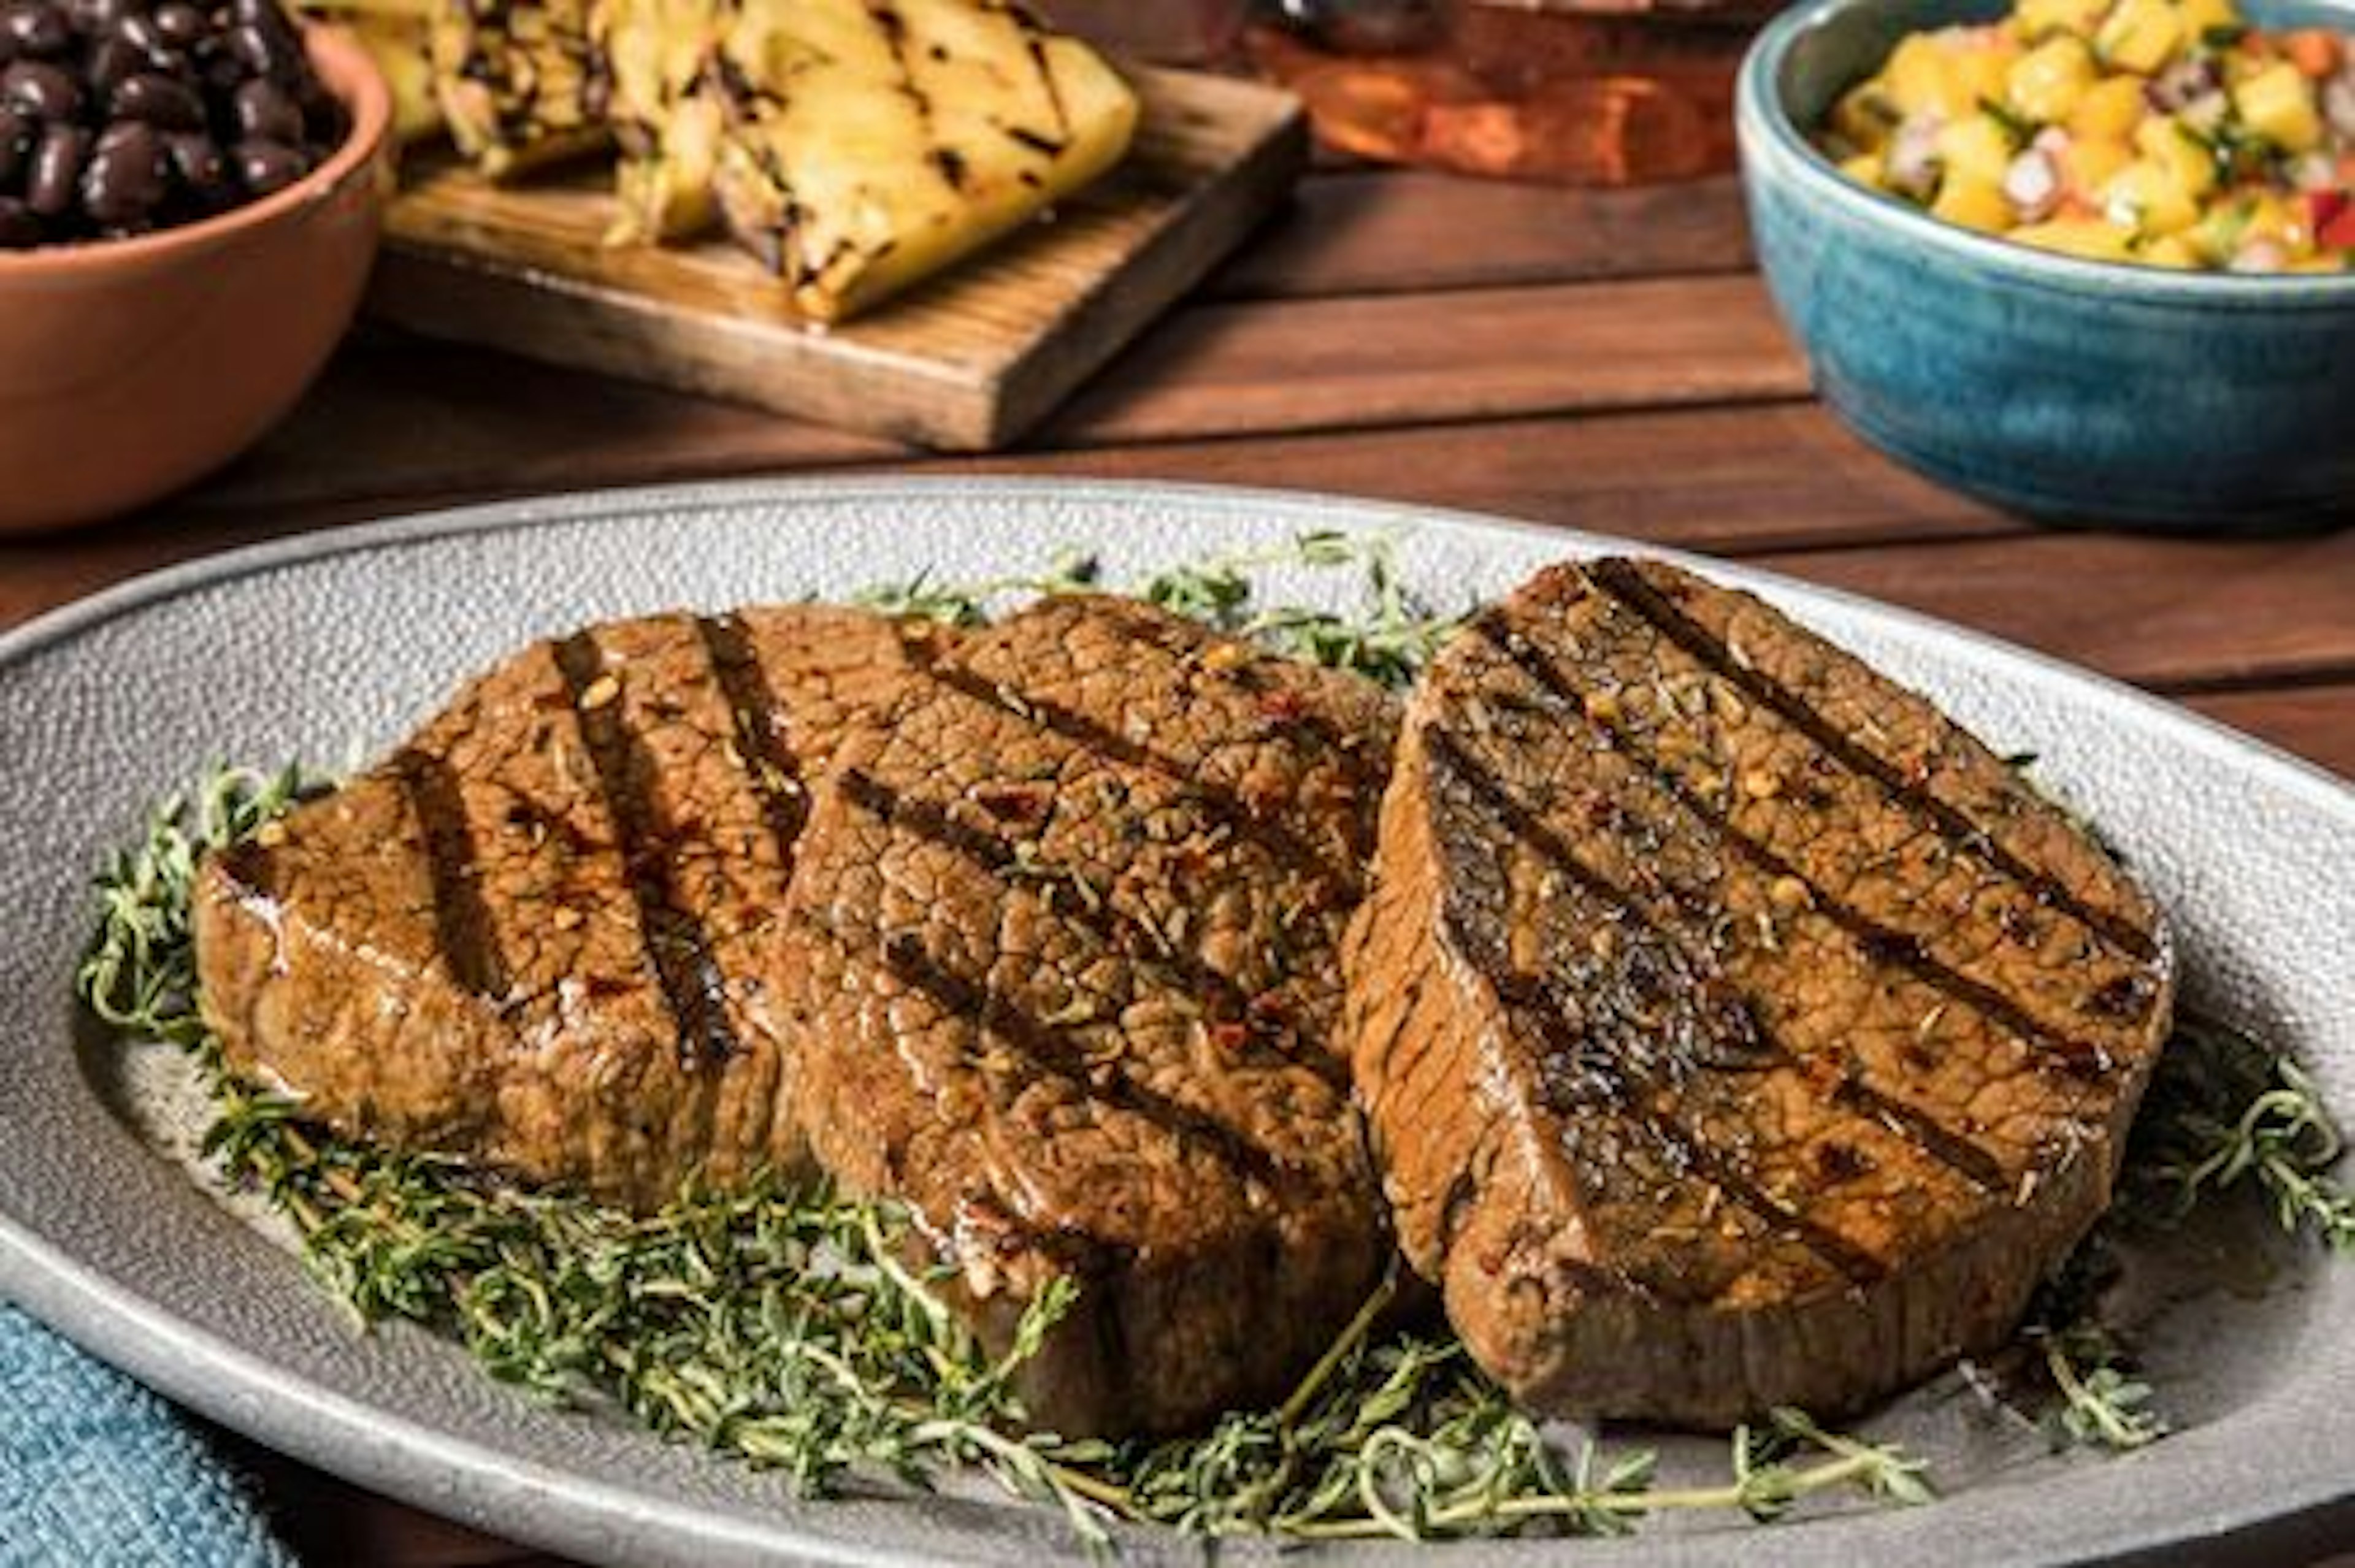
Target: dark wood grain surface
{"type": "Point", "coordinates": [1594, 360]}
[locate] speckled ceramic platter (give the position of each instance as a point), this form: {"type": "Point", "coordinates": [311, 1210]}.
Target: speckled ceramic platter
{"type": "Point", "coordinates": [328, 647]}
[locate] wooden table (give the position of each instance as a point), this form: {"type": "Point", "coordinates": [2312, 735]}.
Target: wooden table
{"type": "Point", "coordinates": [1600, 361]}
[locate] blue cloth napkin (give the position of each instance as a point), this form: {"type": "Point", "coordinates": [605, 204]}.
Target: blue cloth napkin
{"type": "Point", "coordinates": [97, 1471]}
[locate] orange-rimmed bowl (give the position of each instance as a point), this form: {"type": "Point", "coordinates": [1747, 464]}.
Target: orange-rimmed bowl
{"type": "Point", "coordinates": [129, 367]}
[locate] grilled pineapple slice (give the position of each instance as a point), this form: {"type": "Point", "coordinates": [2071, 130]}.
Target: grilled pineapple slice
{"type": "Point", "coordinates": [397, 36]}
{"type": "Point", "coordinates": [665, 109]}
{"type": "Point", "coordinates": [873, 141]}
{"type": "Point", "coordinates": [514, 81]}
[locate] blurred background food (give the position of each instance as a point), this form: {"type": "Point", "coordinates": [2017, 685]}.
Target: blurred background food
{"type": "Point", "coordinates": [2167, 132]}
{"type": "Point", "coordinates": [117, 119]}
{"type": "Point", "coordinates": [2053, 384]}
{"type": "Point", "coordinates": [912, 134]}
{"type": "Point", "coordinates": [151, 349]}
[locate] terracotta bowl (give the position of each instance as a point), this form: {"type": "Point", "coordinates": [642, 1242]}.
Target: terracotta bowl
{"type": "Point", "coordinates": [129, 367]}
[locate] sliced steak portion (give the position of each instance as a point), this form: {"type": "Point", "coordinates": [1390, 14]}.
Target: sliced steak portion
{"type": "Point", "coordinates": [1070, 923]}
{"type": "Point", "coordinates": [546, 932]}
{"type": "Point", "coordinates": [1734, 1030]}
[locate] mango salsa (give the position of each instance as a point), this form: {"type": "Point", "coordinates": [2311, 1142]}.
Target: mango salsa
{"type": "Point", "coordinates": [2162, 133]}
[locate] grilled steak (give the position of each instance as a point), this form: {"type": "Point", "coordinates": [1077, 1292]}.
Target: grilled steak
{"type": "Point", "coordinates": [1734, 1030]}
{"type": "Point", "coordinates": [545, 933]}
{"type": "Point", "coordinates": [1070, 924]}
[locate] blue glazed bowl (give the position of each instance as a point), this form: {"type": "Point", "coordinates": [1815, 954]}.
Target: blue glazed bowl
{"type": "Point", "coordinates": [2074, 390]}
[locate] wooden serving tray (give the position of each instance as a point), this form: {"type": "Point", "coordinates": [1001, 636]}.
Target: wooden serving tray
{"type": "Point", "coordinates": [967, 362]}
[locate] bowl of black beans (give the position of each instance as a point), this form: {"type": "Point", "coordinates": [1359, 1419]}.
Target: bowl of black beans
{"type": "Point", "coordinates": [190, 196]}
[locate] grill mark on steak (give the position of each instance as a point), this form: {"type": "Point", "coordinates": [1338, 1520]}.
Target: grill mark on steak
{"type": "Point", "coordinates": [1116, 929]}
{"type": "Point", "coordinates": [1632, 1094]}
{"type": "Point", "coordinates": [1758, 1045]}
{"type": "Point", "coordinates": [907, 957]}
{"type": "Point", "coordinates": [676, 943]}
{"type": "Point", "coordinates": [463, 928]}
{"type": "Point", "coordinates": [753, 708]}
{"type": "Point", "coordinates": [1625, 585]}
{"type": "Point", "coordinates": [1928, 1133]}
{"type": "Point", "coordinates": [1879, 941]}
{"type": "Point", "coordinates": [1223, 807]}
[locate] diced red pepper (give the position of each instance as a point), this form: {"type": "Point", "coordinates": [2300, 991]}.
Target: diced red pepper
{"type": "Point", "coordinates": [2316, 51]}
{"type": "Point", "coordinates": [2331, 214]}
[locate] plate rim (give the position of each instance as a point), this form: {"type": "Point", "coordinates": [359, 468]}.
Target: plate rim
{"type": "Point", "coordinates": [318, 1423]}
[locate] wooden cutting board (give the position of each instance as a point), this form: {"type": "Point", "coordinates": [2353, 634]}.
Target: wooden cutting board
{"type": "Point", "coordinates": [966, 362]}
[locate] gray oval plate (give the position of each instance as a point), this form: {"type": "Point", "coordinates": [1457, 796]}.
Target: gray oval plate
{"type": "Point", "coordinates": [326, 648]}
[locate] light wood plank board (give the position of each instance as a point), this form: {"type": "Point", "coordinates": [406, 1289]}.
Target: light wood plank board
{"type": "Point", "coordinates": [967, 362]}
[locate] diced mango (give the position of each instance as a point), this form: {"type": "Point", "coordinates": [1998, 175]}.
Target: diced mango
{"type": "Point", "coordinates": [2145, 197]}
{"type": "Point", "coordinates": [2048, 81]}
{"type": "Point", "coordinates": [2163, 140]}
{"type": "Point", "coordinates": [2090, 237]}
{"type": "Point", "coordinates": [1974, 203]}
{"type": "Point", "coordinates": [1864, 117]}
{"type": "Point", "coordinates": [2110, 108]}
{"type": "Point", "coordinates": [2278, 104]}
{"type": "Point", "coordinates": [1976, 148]}
{"type": "Point", "coordinates": [2172, 251]}
{"type": "Point", "coordinates": [2140, 35]}
{"type": "Point", "coordinates": [2265, 216]}
{"type": "Point", "coordinates": [1920, 79]}
{"type": "Point", "coordinates": [2088, 163]}
{"type": "Point", "coordinates": [2037, 18]}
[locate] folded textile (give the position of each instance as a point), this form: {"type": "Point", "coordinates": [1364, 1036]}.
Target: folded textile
{"type": "Point", "coordinates": [96, 1470]}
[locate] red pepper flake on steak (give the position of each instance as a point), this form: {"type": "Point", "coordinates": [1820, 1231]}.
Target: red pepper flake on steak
{"type": "Point", "coordinates": [545, 933]}
{"type": "Point", "coordinates": [1096, 1039]}
{"type": "Point", "coordinates": [1734, 1030]}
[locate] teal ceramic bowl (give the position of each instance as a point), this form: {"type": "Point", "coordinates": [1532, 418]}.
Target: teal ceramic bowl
{"type": "Point", "coordinates": [2074, 390]}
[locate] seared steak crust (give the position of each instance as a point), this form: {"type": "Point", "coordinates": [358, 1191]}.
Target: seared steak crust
{"type": "Point", "coordinates": [1734, 1030]}
{"type": "Point", "coordinates": [545, 933]}
{"type": "Point", "coordinates": [1069, 925]}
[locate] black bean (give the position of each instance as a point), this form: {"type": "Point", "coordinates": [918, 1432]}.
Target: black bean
{"type": "Point", "coordinates": [196, 163]}
{"type": "Point", "coordinates": [265, 167]}
{"type": "Point", "coordinates": [113, 62]}
{"type": "Point", "coordinates": [266, 113]}
{"type": "Point", "coordinates": [181, 25]}
{"type": "Point", "coordinates": [56, 166]}
{"type": "Point", "coordinates": [138, 29]}
{"type": "Point", "coordinates": [262, 49]}
{"type": "Point", "coordinates": [96, 18]}
{"type": "Point", "coordinates": [42, 91]}
{"type": "Point", "coordinates": [124, 180]}
{"type": "Point", "coordinates": [16, 147]}
{"type": "Point", "coordinates": [160, 101]}
{"type": "Point", "coordinates": [19, 228]}
{"type": "Point", "coordinates": [35, 32]}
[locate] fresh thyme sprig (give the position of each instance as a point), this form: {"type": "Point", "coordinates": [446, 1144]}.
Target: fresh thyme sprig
{"type": "Point", "coordinates": [2221, 1111]}
{"type": "Point", "coordinates": [2101, 1403]}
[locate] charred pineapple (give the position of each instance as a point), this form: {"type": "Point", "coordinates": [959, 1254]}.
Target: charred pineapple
{"type": "Point", "coordinates": [665, 109]}
{"type": "Point", "coordinates": [872, 142]}
{"type": "Point", "coordinates": [397, 36]}
{"type": "Point", "coordinates": [514, 81]}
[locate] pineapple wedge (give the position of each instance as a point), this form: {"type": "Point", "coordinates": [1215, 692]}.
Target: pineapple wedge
{"type": "Point", "coordinates": [514, 81]}
{"type": "Point", "coordinates": [873, 141]}
{"type": "Point", "coordinates": [663, 105]}
{"type": "Point", "coordinates": [397, 36]}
